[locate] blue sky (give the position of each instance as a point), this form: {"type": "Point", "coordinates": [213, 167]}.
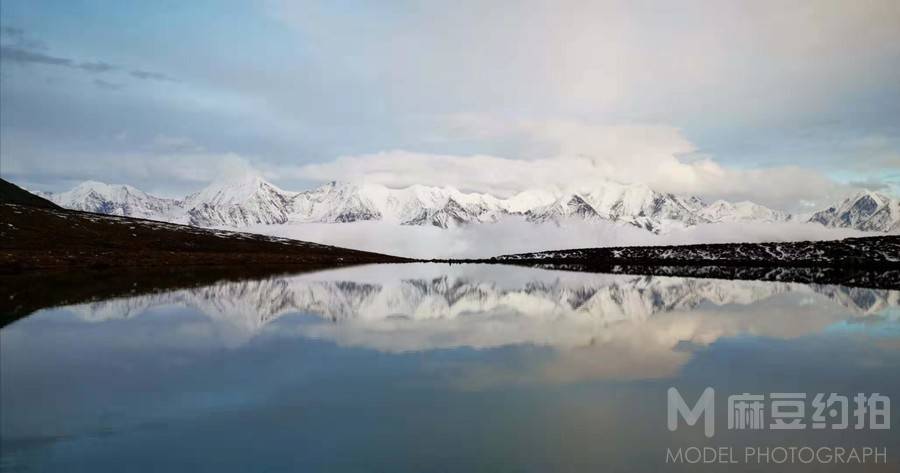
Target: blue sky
{"type": "Point", "coordinates": [788, 105]}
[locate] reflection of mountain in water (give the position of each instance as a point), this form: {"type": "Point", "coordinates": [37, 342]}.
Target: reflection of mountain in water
{"type": "Point", "coordinates": [599, 326]}
{"type": "Point", "coordinates": [599, 298]}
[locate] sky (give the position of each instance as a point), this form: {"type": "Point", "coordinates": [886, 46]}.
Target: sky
{"type": "Point", "coordinates": [789, 104]}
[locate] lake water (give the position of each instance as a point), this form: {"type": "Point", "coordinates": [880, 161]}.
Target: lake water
{"type": "Point", "coordinates": [432, 368]}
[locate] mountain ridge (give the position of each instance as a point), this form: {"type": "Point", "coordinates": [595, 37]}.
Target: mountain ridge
{"type": "Point", "coordinates": [251, 200]}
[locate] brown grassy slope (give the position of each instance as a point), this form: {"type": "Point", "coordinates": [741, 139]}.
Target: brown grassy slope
{"type": "Point", "coordinates": [40, 238]}
{"type": "Point", "coordinates": [37, 234]}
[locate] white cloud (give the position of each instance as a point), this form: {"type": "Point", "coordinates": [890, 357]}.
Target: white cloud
{"type": "Point", "coordinates": [582, 156]}
{"type": "Point", "coordinates": [576, 156]}
{"type": "Point", "coordinates": [514, 235]}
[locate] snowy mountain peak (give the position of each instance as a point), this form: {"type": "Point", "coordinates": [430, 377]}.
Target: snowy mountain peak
{"type": "Point", "coordinates": [113, 199]}
{"type": "Point", "coordinates": [722, 211]}
{"type": "Point", "coordinates": [238, 202]}
{"type": "Point", "coordinates": [867, 210]}
{"type": "Point", "coordinates": [527, 200]}
{"type": "Point", "coordinates": [96, 186]}
{"type": "Point", "coordinates": [235, 190]}
{"type": "Point", "coordinates": [109, 191]}
{"type": "Point", "coordinates": [878, 197]}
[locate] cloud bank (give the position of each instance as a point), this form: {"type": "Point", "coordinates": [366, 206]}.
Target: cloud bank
{"type": "Point", "coordinates": [583, 156]}
{"type": "Point", "coordinates": [514, 235]}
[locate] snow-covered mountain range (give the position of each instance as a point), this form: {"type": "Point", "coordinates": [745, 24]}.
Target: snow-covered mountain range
{"type": "Point", "coordinates": [250, 200]}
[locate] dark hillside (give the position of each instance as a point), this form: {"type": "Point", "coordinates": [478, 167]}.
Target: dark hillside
{"type": "Point", "coordinates": [35, 234]}
{"type": "Point", "coordinates": [13, 194]}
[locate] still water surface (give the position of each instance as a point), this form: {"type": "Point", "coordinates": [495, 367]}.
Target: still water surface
{"type": "Point", "coordinates": [427, 367]}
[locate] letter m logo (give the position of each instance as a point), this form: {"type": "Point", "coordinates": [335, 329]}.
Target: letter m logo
{"type": "Point", "coordinates": [705, 407]}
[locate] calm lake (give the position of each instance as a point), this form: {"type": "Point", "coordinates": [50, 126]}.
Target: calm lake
{"type": "Point", "coordinates": [433, 368]}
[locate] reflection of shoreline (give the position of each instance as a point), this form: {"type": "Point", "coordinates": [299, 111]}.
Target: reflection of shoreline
{"type": "Point", "coordinates": [870, 278]}
{"type": "Point", "coordinates": [26, 293]}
